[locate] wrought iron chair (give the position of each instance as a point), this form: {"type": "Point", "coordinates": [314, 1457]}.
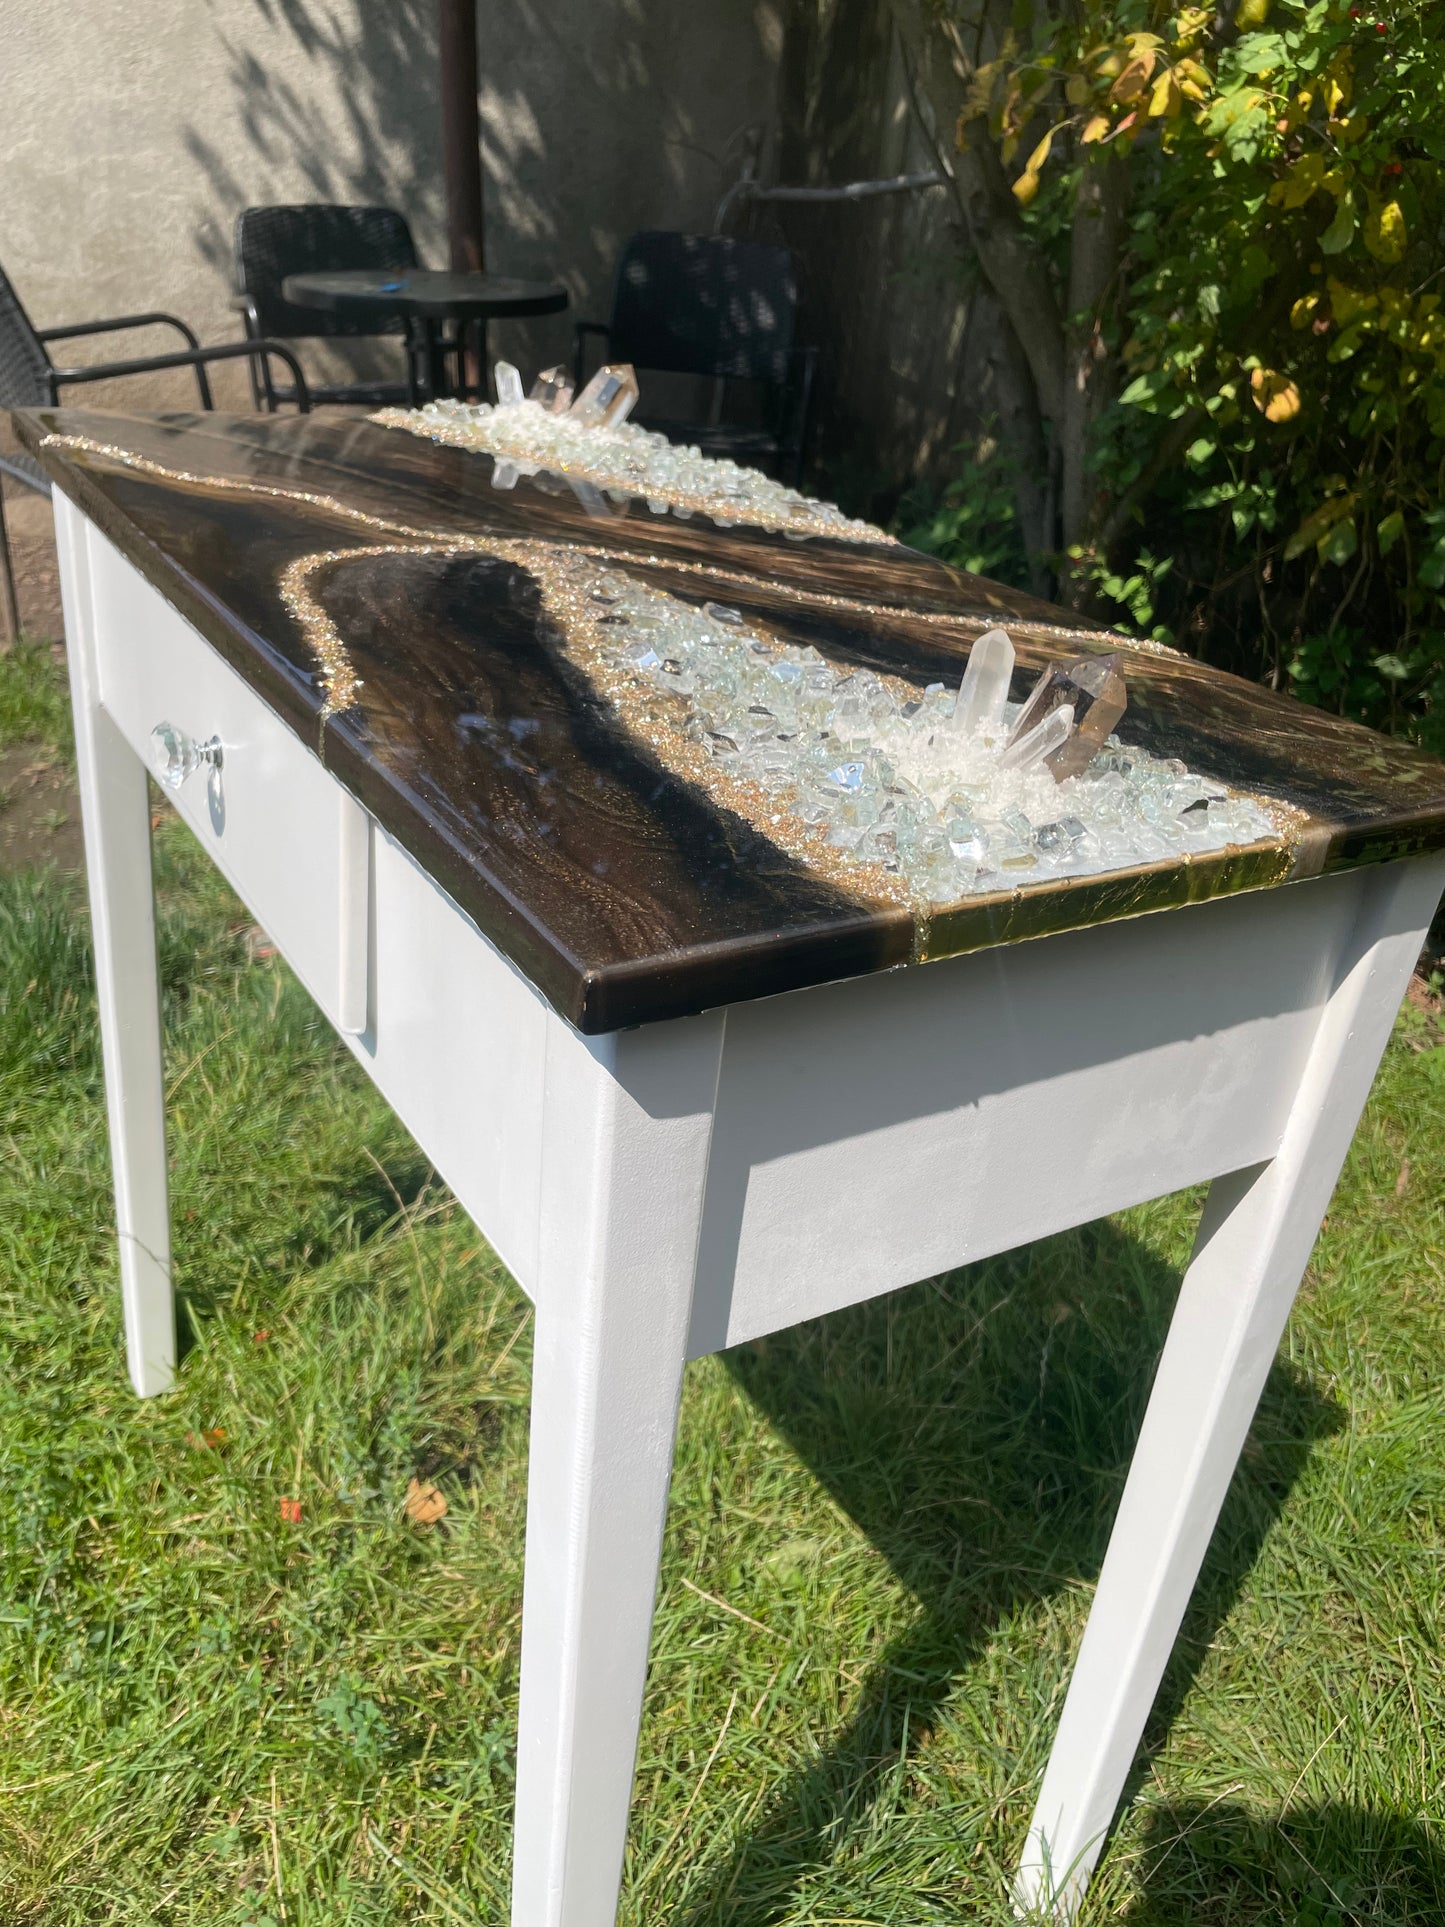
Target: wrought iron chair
{"type": "Point", "coordinates": [704, 304]}
{"type": "Point", "coordinates": [272, 242]}
{"type": "Point", "coordinates": [30, 379]}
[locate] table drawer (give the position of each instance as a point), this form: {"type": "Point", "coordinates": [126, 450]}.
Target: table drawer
{"type": "Point", "coordinates": [293, 843]}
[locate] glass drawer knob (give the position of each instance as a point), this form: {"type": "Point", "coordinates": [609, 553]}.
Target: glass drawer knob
{"type": "Point", "coordinates": [175, 755]}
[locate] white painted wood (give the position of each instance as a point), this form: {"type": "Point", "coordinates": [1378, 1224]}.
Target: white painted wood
{"type": "Point", "coordinates": [1254, 1241]}
{"type": "Point", "coordinates": [115, 809]}
{"type": "Point", "coordinates": [353, 915]}
{"type": "Point", "coordinates": [628, 1119]}
{"type": "Point", "coordinates": [287, 836]}
{"type": "Point", "coordinates": [456, 1044]}
{"type": "Point", "coordinates": [879, 1131]}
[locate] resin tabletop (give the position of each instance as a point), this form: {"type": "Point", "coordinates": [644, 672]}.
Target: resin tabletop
{"type": "Point", "coordinates": [423, 631]}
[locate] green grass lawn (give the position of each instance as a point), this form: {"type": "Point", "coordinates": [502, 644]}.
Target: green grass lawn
{"type": "Point", "coordinates": [884, 1532]}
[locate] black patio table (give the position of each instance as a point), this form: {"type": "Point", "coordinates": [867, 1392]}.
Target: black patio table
{"type": "Point", "coordinates": [427, 300]}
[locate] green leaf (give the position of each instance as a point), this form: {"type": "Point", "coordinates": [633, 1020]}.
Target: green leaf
{"type": "Point", "coordinates": [1341, 541]}
{"type": "Point", "coordinates": [1341, 231]}
{"type": "Point", "coordinates": [1199, 452]}
{"type": "Point", "coordinates": [1388, 532]}
{"type": "Point", "coordinates": [1145, 388]}
{"type": "Point", "coordinates": [1392, 668]}
{"type": "Point", "coordinates": [1259, 53]}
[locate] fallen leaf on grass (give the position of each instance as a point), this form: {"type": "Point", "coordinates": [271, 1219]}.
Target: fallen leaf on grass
{"type": "Point", "coordinates": [1402, 1183]}
{"type": "Point", "coordinates": [291, 1512]}
{"type": "Point", "coordinates": [259, 947]}
{"type": "Point", "coordinates": [260, 1338]}
{"type": "Point", "coordinates": [424, 1504]}
{"type": "Point", "coordinates": [207, 1441]}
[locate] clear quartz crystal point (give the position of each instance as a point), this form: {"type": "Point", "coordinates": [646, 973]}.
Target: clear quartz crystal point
{"type": "Point", "coordinates": [1093, 689]}
{"type": "Point", "coordinates": [553, 389]}
{"type": "Point", "coordinates": [985, 686]}
{"type": "Point", "coordinates": [608, 399]}
{"type": "Point", "coordinates": [509, 384]}
{"type": "Point", "coordinates": [1024, 752]}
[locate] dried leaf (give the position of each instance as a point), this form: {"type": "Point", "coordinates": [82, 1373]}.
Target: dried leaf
{"type": "Point", "coordinates": [1134, 79]}
{"type": "Point", "coordinates": [291, 1512]}
{"type": "Point", "coordinates": [425, 1504]}
{"type": "Point", "coordinates": [1095, 129]}
{"type": "Point", "coordinates": [1027, 184]}
{"type": "Point", "coordinates": [207, 1441]}
{"type": "Point", "coordinates": [1402, 1183]}
{"type": "Point", "coordinates": [260, 1338]}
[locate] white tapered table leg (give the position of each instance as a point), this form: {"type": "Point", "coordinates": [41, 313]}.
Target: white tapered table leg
{"type": "Point", "coordinates": [115, 807]}
{"type": "Point", "coordinates": [1254, 1241]}
{"type": "Point", "coordinates": [626, 1134]}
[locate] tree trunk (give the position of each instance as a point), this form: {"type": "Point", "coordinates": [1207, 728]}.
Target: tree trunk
{"type": "Point", "coordinates": [1096, 243]}
{"type": "Point", "coordinates": [1030, 376]}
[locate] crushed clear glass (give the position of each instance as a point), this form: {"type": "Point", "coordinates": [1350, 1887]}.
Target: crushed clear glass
{"type": "Point", "coordinates": [936, 787]}
{"type": "Point", "coordinates": [587, 440]}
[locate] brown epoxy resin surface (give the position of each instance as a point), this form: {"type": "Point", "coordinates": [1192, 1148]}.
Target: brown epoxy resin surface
{"type": "Point", "coordinates": [422, 631]}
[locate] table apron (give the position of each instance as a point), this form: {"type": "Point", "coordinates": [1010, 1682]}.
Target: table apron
{"type": "Point", "coordinates": [872, 1133]}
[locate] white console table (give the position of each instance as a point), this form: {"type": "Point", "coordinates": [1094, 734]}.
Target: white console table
{"type": "Point", "coordinates": [669, 1187]}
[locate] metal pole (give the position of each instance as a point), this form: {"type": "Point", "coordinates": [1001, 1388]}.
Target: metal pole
{"type": "Point", "coordinates": [462, 167]}
{"type": "Point", "coordinates": [461, 135]}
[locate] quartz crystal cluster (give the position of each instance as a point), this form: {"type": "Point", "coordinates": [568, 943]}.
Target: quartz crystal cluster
{"type": "Point", "coordinates": [957, 793]}
{"type": "Point", "coordinates": [610, 462]}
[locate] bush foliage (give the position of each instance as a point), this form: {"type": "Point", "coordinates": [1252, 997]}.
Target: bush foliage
{"type": "Point", "coordinates": [1269, 443]}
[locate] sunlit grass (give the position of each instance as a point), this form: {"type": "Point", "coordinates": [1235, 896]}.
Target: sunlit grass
{"type": "Point", "coordinates": [882, 1543]}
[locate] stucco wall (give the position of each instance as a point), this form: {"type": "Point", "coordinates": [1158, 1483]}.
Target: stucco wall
{"type": "Point", "coordinates": [131, 135]}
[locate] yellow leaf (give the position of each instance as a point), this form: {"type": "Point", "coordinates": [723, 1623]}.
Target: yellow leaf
{"type": "Point", "coordinates": [1165, 99]}
{"type": "Point", "coordinates": [1095, 130]}
{"type": "Point", "coordinates": [1345, 304]}
{"type": "Point", "coordinates": [1134, 79]}
{"type": "Point", "coordinates": [1027, 184]}
{"type": "Point", "coordinates": [1077, 90]}
{"type": "Point", "coordinates": [1299, 185]}
{"type": "Point", "coordinates": [425, 1504]}
{"type": "Point", "coordinates": [1251, 13]}
{"type": "Point", "coordinates": [1190, 25]}
{"type": "Point", "coordinates": [1385, 230]}
{"type": "Point", "coordinates": [1275, 396]}
{"type": "Point", "coordinates": [1339, 79]}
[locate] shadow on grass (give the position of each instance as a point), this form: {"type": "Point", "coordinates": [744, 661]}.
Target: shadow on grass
{"type": "Point", "coordinates": [978, 1429]}
{"type": "Point", "coordinates": [1326, 1865]}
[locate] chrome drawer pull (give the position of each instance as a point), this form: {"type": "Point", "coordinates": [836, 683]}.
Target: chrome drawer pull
{"type": "Point", "coordinates": [175, 756]}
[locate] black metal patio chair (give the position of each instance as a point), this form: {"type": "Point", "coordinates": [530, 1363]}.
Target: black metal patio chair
{"type": "Point", "coordinates": [704, 304]}
{"type": "Point", "coordinates": [315, 238]}
{"type": "Point", "coordinates": [30, 379]}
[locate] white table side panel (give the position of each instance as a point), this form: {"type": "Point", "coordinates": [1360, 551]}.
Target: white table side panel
{"type": "Point", "coordinates": [996, 1098]}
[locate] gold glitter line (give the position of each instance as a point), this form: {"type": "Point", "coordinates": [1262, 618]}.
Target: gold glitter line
{"type": "Point", "coordinates": [565, 585]}
{"type": "Point", "coordinates": [616, 558]}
